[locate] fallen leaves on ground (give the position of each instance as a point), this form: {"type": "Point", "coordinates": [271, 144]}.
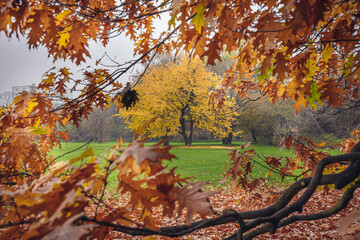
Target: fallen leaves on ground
{"type": "Point", "coordinates": [241, 201]}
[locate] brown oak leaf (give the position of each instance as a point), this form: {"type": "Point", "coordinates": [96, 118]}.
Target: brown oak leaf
{"type": "Point", "coordinates": [194, 200]}
{"type": "Point", "coordinates": [140, 153]}
{"type": "Point", "coordinates": [68, 231]}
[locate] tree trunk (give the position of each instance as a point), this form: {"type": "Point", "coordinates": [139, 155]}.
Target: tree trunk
{"type": "Point", "coordinates": [183, 132]}
{"type": "Point", "coordinates": [191, 132]}
{"type": "Point", "coordinates": [253, 135]}
{"type": "Point", "coordinates": [100, 135]}
{"type": "Point", "coordinates": [166, 143]}
{"type": "Point", "coordinates": [228, 139]}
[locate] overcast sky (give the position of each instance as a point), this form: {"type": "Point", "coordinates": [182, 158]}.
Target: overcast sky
{"type": "Point", "coordinates": [21, 66]}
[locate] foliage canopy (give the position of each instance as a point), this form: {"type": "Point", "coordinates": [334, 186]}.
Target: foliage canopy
{"type": "Point", "coordinates": [176, 94]}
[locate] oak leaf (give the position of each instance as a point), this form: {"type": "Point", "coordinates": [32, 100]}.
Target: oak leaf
{"type": "Point", "coordinates": [315, 95]}
{"type": "Point", "coordinates": [63, 38]}
{"type": "Point", "coordinates": [281, 66]}
{"type": "Point", "coordinates": [327, 52]}
{"type": "Point", "coordinates": [191, 198]}
{"type": "Point", "coordinates": [300, 102]}
{"type": "Point", "coordinates": [199, 18]}
{"type": "Point", "coordinates": [331, 92]}
{"type": "Point", "coordinates": [213, 50]}
{"type": "Point", "coordinates": [345, 223]}
{"type": "Point", "coordinates": [68, 231]}
{"type": "Point", "coordinates": [140, 153]}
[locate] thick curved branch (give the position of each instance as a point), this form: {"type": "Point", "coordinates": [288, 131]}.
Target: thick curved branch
{"type": "Point", "coordinates": [341, 204]}
{"type": "Point", "coordinates": [340, 180]}
{"type": "Point", "coordinates": [263, 215]}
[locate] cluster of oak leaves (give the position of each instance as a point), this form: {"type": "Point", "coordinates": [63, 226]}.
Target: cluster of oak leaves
{"type": "Point", "coordinates": [45, 198]}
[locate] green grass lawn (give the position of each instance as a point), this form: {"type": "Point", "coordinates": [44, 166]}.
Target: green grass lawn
{"type": "Point", "coordinates": [203, 161]}
{"type": "Point", "coordinates": [208, 163]}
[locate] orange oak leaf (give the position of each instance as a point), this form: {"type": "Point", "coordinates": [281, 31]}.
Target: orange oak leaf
{"type": "Point", "coordinates": [281, 66]}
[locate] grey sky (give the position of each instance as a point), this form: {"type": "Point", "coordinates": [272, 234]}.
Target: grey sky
{"type": "Point", "coordinates": [21, 66]}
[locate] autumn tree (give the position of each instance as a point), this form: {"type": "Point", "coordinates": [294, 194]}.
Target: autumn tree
{"type": "Point", "coordinates": [176, 94]}
{"type": "Point", "coordinates": [306, 51]}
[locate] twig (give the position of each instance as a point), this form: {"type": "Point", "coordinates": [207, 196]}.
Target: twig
{"type": "Point", "coordinates": [87, 143]}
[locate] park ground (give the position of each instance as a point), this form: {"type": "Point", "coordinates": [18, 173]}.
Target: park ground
{"type": "Point", "coordinates": [205, 161]}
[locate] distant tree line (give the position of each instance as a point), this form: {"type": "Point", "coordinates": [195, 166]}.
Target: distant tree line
{"type": "Point", "coordinates": [100, 126]}
{"type": "Point", "coordinates": [260, 121]}
{"type": "Point", "coordinates": [265, 123]}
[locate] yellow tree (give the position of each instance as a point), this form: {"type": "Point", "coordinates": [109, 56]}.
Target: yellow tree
{"type": "Point", "coordinates": [176, 94]}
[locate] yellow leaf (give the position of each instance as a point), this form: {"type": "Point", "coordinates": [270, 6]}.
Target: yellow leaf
{"type": "Point", "coordinates": [142, 128]}
{"type": "Point", "coordinates": [87, 153]}
{"type": "Point", "coordinates": [326, 53]}
{"type": "Point", "coordinates": [62, 15]}
{"type": "Point", "coordinates": [312, 66]}
{"type": "Point", "coordinates": [49, 80]}
{"type": "Point", "coordinates": [39, 131]}
{"type": "Point", "coordinates": [92, 159]}
{"type": "Point", "coordinates": [64, 121]}
{"type": "Point", "coordinates": [144, 214]}
{"type": "Point", "coordinates": [65, 71]}
{"type": "Point", "coordinates": [199, 18]}
{"type": "Point", "coordinates": [31, 104]}
{"type": "Point", "coordinates": [28, 199]}
{"type": "Point", "coordinates": [150, 238]}
{"type": "Point", "coordinates": [268, 174]}
{"type": "Point", "coordinates": [171, 22]}
{"type": "Point", "coordinates": [315, 95]}
{"type": "Point", "coordinates": [348, 64]}
{"type": "Point", "coordinates": [63, 39]}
